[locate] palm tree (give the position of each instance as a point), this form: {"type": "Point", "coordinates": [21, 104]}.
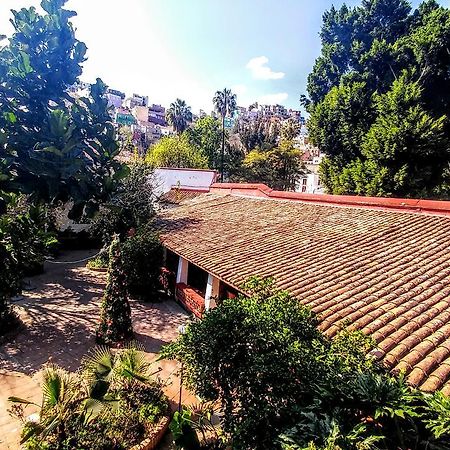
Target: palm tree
{"type": "Point", "coordinates": [179, 115]}
{"type": "Point", "coordinates": [225, 104]}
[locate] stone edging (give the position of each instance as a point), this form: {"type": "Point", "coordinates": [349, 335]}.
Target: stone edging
{"type": "Point", "coordinates": [152, 441]}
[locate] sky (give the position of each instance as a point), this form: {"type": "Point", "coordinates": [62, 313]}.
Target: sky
{"type": "Point", "coordinates": [262, 49]}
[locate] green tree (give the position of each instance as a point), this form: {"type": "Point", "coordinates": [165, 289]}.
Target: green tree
{"type": "Point", "coordinates": [225, 104]}
{"type": "Point", "coordinates": [274, 357]}
{"type": "Point", "coordinates": [54, 145]}
{"type": "Point", "coordinates": [280, 168]}
{"type": "Point", "coordinates": [379, 96]}
{"type": "Point", "coordinates": [179, 115]}
{"type": "Point", "coordinates": [261, 133]}
{"type": "Point", "coordinates": [115, 315]}
{"type": "Point", "coordinates": [176, 151]}
{"type": "Point", "coordinates": [206, 134]}
{"type": "Point", "coordinates": [290, 129]}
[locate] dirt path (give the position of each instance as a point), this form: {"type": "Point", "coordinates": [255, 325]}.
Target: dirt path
{"type": "Point", "coordinates": [60, 314]}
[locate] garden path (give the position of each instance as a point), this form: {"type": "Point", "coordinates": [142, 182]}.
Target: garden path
{"type": "Point", "coordinates": [60, 313]}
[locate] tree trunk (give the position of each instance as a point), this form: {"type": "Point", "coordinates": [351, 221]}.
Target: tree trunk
{"type": "Point", "coordinates": [223, 148]}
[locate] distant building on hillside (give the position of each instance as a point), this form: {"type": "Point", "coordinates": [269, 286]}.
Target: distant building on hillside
{"type": "Point", "coordinates": [157, 115]}
{"type": "Point", "coordinates": [136, 100]}
{"type": "Point", "coordinates": [310, 182]}
{"type": "Point", "coordinates": [115, 98]}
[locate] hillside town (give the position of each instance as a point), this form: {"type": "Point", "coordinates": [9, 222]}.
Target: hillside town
{"type": "Point", "coordinates": [182, 272]}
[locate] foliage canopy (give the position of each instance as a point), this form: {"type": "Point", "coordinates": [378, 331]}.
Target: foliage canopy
{"type": "Point", "coordinates": [54, 146]}
{"type": "Point", "coordinates": [281, 383]}
{"type": "Point", "coordinates": [379, 96]}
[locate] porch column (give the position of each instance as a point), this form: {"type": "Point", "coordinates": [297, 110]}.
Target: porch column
{"type": "Point", "coordinates": [212, 290]}
{"type": "Point", "coordinates": [182, 273]}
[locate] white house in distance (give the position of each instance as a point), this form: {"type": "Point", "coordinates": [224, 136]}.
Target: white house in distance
{"type": "Point", "coordinates": [310, 181]}
{"type": "Point", "coordinates": [178, 180]}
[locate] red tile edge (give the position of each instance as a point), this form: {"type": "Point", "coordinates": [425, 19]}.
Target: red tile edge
{"type": "Point", "coordinates": [399, 204]}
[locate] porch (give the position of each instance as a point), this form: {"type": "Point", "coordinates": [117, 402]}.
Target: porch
{"type": "Point", "coordinates": [194, 288]}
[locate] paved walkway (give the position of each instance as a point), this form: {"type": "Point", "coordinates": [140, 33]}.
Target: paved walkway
{"type": "Point", "coordinates": [60, 314]}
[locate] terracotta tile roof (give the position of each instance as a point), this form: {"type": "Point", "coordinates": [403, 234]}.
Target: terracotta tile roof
{"type": "Point", "coordinates": [386, 272]}
{"type": "Point", "coordinates": [177, 196]}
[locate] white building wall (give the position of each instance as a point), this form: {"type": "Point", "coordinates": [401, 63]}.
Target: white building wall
{"type": "Point", "coordinates": [166, 178]}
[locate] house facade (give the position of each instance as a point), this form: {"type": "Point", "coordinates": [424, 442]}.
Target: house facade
{"type": "Point", "coordinates": [379, 265]}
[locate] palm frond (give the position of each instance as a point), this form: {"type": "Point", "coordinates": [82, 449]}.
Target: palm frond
{"type": "Point", "coordinates": [98, 364]}
{"type": "Point", "coordinates": [133, 364]}
{"type": "Point", "coordinates": [92, 409]}
{"type": "Point", "coordinates": [21, 400]}
{"type": "Point", "coordinates": [56, 386]}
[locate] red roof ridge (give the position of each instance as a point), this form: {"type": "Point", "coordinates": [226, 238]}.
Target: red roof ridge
{"type": "Point", "coordinates": [189, 188]}
{"type": "Point", "coordinates": [440, 207]}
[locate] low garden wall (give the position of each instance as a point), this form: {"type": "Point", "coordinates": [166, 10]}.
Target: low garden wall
{"type": "Point", "coordinates": [192, 301]}
{"type": "Point", "coordinates": [157, 434]}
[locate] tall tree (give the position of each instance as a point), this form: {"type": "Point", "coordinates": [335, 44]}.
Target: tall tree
{"type": "Point", "coordinates": [179, 115]}
{"type": "Point", "coordinates": [176, 151]}
{"type": "Point", "coordinates": [280, 167]}
{"type": "Point", "coordinates": [261, 132]}
{"type": "Point", "coordinates": [206, 134]}
{"type": "Point", "coordinates": [115, 313]}
{"type": "Point", "coordinates": [379, 99]}
{"type": "Point", "coordinates": [55, 146]}
{"type": "Point", "coordinates": [225, 104]}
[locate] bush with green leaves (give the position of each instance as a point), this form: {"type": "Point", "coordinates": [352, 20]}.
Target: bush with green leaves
{"type": "Point", "coordinates": [29, 234]}
{"type": "Point", "coordinates": [27, 237]}
{"type": "Point", "coordinates": [115, 313]}
{"type": "Point", "coordinates": [131, 205]}
{"type": "Point", "coordinates": [142, 256]}
{"type": "Point", "coordinates": [281, 383]}
{"type": "Point", "coordinates": [9, 286]}
{"type": "Point", "coordinates": [99, 407]}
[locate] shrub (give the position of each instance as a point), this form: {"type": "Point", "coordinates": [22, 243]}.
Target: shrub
{"type": "Point", "coordinates": [142, 257]}
{"type": "Point", "coordinates": [131, 206]}
{"type": "Point", "coordinates": [115, 316]}
{"type": "Point", "coordinates": [110, 221]}
{"type": "Point", "coordinates": [9, 286]}
{"type": "Point", "coordinates": [149, 413]}
{"type": "Point", "coordinates": [282, 384]}
{"type": "Point", "coordinates": [101, 261]}
{"type": "Point", "coordinates": [26, 239]}
{"type": "Point", "coordinates": [28, 233]}
{"type": "Point", "coordinates": [106, 405]}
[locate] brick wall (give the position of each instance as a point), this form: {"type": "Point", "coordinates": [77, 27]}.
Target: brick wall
{"type": "Point", "coordinates": [192, 301]}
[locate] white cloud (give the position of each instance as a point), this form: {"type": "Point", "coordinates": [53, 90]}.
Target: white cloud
{"type": "Point", "coordinates": [273, 99]}
{"type": "Point", "coordinates": [261, 71]}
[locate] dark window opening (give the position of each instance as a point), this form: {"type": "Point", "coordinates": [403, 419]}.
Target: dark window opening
{"type": "Point", "coordinates": [226, 291]}
{"type": "Point", "coordinates": [172, 261]}
{"type": "Point", "coordinates": [197, 279]}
